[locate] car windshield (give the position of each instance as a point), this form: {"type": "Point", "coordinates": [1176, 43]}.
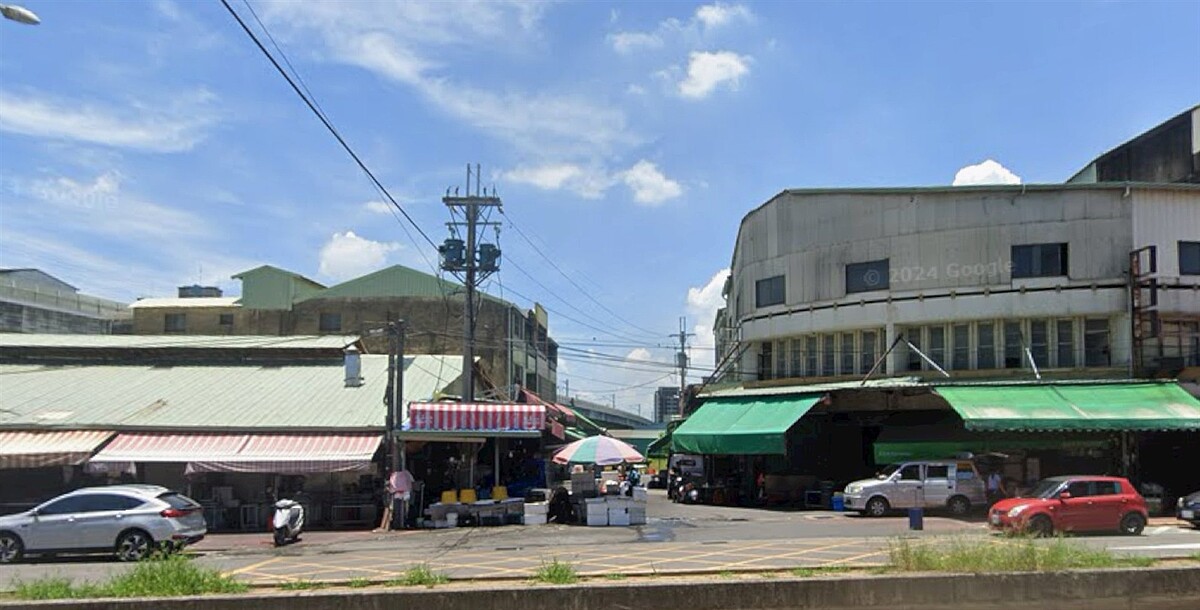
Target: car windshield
{"type": "Point", "coordinates": [1045, 489]}
{"type": "Point", "coordinates": [178, 501]}
{"type": "Point", "coordinates": [888, 470]}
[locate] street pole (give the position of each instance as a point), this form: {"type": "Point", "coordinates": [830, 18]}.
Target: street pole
{"type": "Point", "coordinates": [681, 359]}
{"type": "Point", "coordinates": [395, 399]}
{"type": "Point", "coordinates": [475, 262]}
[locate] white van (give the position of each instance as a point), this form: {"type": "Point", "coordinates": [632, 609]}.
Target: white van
{"type": "Point", "coordinates": [954, 485]}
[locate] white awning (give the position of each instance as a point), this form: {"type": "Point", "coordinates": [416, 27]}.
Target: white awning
{"type": "Point", "coordinates": [40, 449]}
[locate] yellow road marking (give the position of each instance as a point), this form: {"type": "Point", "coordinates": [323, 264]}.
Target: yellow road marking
{"type": "Point", "coordinates": [253, 566]}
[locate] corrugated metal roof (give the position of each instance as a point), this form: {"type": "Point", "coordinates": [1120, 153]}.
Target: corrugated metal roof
{"type": "Point", "coordinates": [323, 342]}
{"type": "Point", "coordinates": [182, 398]}
{"type": "Point", "coordinates": [394, 281]}
{"type": "Point", "coordinates": [172, 302]}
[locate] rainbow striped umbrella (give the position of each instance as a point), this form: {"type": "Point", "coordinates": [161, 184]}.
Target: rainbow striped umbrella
{"type": "Point", "coordinates": [602, 450]}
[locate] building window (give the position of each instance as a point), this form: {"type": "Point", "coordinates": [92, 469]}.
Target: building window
{"type": "Point", "coordinates": [913, 336]}
{"type": "Point", "coordinates": [961, 337]}
{"type": "Point", "coordinates": [985, 349]}
{"type": "Point", "coordinates": [829, 355]}
{"type": "Point", "coordinates": [1013, 344]}
{"type": "Point", "coordinates": [848, 355]}
{"type": "Point", "coordinates": [225, 319]}
{"type": "Point", "coordinates": [797, 359]}
{"type": "Point", "coordinates": [937, 345]}
{"type": "Point", "coordinates": [811, 355]}
{"type": "Point", "coordinates": [1192, 341]}
{"type": "Point", "coordinates": [865, 277]}
{"type": "Point", "coordinates": [1039, 342]}
{"type": "Point", "coordinates": [1096, 350]}
{"type": "Point", "coordinates": [1066, 344]}
{"type": "Point", "coordinates": [1189, 258]}
{"type": "Point", "coordinates": [175, 323]}
{"type": "Point", "coordinates": [782, 361]}
{"type": "Point", "coordinates": [1039, 260]}
{"type": "Point", "coordinates": [330, 322]}
{"type": "Point", "coordinates": [769, 292]}
{"type": "Point", "coordinates": [868, 350]}
{"type": "Point", "coordinates": [765, 361]}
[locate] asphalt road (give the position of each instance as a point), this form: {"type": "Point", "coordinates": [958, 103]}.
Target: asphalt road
{"type": "Point", "coordinates": [677, 538]}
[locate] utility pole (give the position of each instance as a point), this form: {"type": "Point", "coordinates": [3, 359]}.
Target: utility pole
{"type": "Point", "coordinates": [469, 261]}
{"type": "Point", "coordinates": [395, 393]}
{"type": "Point", "coordinates": [681, 358]}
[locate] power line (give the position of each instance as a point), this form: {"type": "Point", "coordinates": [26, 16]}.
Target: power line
{"type": "Point", "coordinates": [571, 279]}
{"type": "Point", "coordinates": [324, 121]}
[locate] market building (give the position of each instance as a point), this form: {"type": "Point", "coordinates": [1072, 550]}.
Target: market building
{"type": "Point", "coordinates": [513, 344]}
{"type": "Point", "coordinates": [229, 420]}
{"type": "Point", "coordinates": [33, 301]}
{"type": "Point", "coordinates": [1043, 323]}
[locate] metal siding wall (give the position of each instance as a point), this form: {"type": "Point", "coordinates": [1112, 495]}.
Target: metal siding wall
{"type": "Point", "coordinates": [1164, 218]}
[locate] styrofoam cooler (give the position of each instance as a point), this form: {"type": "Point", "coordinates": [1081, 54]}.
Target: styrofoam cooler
{"type": "Point", "coordinates": [597, 512]}
{"type": "Point", "coordinates": [639, 494]}
{"type": "Point", "coordinates": [537, 508]}
{"type": "Point", "coordinates": [534, 519]}
{"type": "Point", "coordinates": [637, 516]}
{"type": "Point", "coordinates": [618, 517]}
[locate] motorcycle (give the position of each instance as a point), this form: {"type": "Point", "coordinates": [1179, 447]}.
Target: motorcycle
{"type": "Point", "coordinates": [287, 522]}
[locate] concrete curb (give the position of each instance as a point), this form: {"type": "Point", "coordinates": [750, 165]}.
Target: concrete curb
{"type": "Point", "coordinates": [1151, 588]}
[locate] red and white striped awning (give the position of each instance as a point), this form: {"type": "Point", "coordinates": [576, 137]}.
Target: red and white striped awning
{"type": "Point", "coordinates": [274, 453]}
{"type": "Point", "coordinates": [40, 449]}
{"type": "Point", "coordinates": [476, 417]}
{"type": "Point", "coordinates": [152, 447]}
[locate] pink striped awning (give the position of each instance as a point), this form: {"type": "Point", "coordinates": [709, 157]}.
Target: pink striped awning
{"type": "Point", "coordinates": [40, 449]}
{"type": "Point", "coordinates": [274, 453]}
{"type": "Point", "coordinates": [476, 417]}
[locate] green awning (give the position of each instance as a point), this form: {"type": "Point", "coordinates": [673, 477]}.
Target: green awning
{"type": "Point", "coordinates": [1116, 406]}
{"type": "Point", "coordinates": [742, 426]}
{"type": "Point", "coordinates": [659, 447]}
{"type": "Point", "coordinates": [892, 452]}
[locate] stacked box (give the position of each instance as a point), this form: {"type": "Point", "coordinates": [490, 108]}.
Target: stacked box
{"type": "Point", "coordinates": [618, 517]}
{"type": "Point", "coordinates": [639, 494]}
{"type": "Point", "coordinates": [597, 512]}
{"type": "Point", "coordinates": [637, 516]}
{"type": "Point", "coordinates": [534, 519]}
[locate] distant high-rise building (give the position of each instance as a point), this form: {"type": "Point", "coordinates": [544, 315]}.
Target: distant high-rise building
{"type": "Point", "coordinates": [666, 403]}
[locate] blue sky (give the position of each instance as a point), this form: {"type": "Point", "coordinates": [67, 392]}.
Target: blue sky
{"type": "Point", "coordinates": [145, 145]}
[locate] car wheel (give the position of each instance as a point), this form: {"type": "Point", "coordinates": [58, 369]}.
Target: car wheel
{"type": "Point", "coordinates": [134, 545]}
{"type": "Point", "coordinates": [11, 548]}
{"type": "Point", "coordinates": [1133, 524]}
{"type": "Point", "coordinates": [959, 506]}
{"type": "Point", "coordinates": [1040, 526]}
{"type": "Point", "coordinates": [877, 507]}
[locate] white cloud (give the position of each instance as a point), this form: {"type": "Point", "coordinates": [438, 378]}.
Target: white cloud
{"type": "Point", "coordinates": [719, 14]}
{"type": "Point", "coordinates": [378, 207]}
{"type": "Point", "coordinates": [702, 305]}
{"type": "Point", "coordinates": [171, 126]}
{"type": "Point", "coordinates": [988, 172]}
{"type": "Point", "coordinates": [627, 43]}
{"type": "Point", "coordinates": [639, 353]}
{"type": "Point", "coordinates": [347, 255]}
{"type": "Point", "coordinates": [649, 185]}
{"type": "Point", "coordinates": [589, 183]}
{"type": "Point", "coordinates": [707, 71]}
{"type": "Point", "coordinates": [398, 40]}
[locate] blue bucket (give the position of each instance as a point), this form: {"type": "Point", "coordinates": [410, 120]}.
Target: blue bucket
{"type": "Point", "coordinates": [839, 503]}
{"type": "Point", "coordinates": [916, 519]}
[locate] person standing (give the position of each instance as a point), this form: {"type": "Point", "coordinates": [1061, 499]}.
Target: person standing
{"type": "Point", "coordinates": [995, 487]}
{"type": "Point", "coordinates": [400, 485]}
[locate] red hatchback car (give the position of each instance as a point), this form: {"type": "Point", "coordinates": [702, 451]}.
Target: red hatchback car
{"type": "Point", "coordinates": [1073, 504]}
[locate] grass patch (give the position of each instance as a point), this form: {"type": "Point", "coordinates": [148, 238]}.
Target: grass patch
{"type": "Point", "coordinates": [556, 573]}
{"type": "Point", "coordinates": [420, 575]}
{"type": "Point", "coordinates": [615, 577]}
{"type": "Point", "coordinates": [169, 576]}
{"type": "Point", "coordinates": [769, 575]}
{"type": "Point", "coordinates": [302, 585]}
{"type": "Point", "coordinates": [983, 556]}
{"type": "Point", "coordinates": [1195, 557]}
{"type": "Point", "coordinates": [358, 583]}
{"type": "Point", "coordinates": [822, 571]}
{"type": "Point", "coordinates": [726, 574]}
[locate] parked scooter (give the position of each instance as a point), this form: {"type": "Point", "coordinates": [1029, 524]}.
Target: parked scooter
{"type": "Point", "coordinates": [288, 521]}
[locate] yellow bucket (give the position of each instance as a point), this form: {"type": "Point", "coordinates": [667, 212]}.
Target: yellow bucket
{"type": "Point", "coordinates": [450, 497]}
{"type": "Point", "coordinates": [500, 493]}
{"type": "Point", "coordinates": [467, 496]}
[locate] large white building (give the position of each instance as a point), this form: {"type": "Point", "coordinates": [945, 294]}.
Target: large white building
{"type": "Point", "coordinates": [1081, 280]}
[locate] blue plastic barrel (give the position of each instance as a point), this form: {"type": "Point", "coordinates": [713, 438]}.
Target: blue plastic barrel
{"type": "Point", "coordinates": [839, 502]}
{"type": "Point", "coordinates": [916, 519]}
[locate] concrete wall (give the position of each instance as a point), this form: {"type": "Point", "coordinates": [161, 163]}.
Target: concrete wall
{"type": "Point", "coordinates": [1152, 589]}
{"type": "Point", "coordinates": [200, 321]}
{"type": "Point", "coordinates": [949, 255]}
{"type": "Point", "coordinates": [22, 318]}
